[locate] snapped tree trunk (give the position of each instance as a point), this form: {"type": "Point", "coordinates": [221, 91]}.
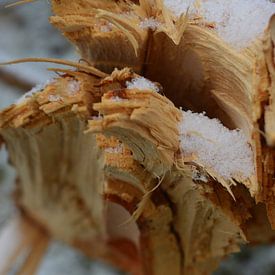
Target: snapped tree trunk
{"type": "Point", "coordinates": [118, 159]}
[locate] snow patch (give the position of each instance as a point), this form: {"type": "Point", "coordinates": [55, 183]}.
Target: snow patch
{"type": "Point", "coordinates": [73, 87]}
{"type": "Point", "coordinates": [55, 98]}
{"type": "Point", "coordinates": [179, 7]}
{"type": "Point", "coordinates": [38, 88]}
{"type": "Point", "coordinates": [97, 118]}
{"type": "Point", "coordinates": [115, 150]}
{"type": "Point", "coordinates": [118, 99]}
{"type": "Point", "coordinates": [149, 23]}
{"type": "Point", "coordinates": [142, 83]}
{"type": "Point", "coordinates": [237, 22]}
{"type": "Point", "coordinates": [226, 152]}
{"type": "Point", "coordinates": [108, 27]}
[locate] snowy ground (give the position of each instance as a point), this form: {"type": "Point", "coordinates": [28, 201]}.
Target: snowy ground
{"type": "Point", "coordinates": [25, 32]}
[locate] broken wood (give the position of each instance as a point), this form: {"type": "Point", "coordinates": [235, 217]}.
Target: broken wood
{"type": "Point", "coordinates": [91, 148]}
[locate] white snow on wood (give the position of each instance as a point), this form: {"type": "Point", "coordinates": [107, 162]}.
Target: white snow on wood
{"type": "Point", "coordinates": [108, 27]}
{"type": "Point", "coordinates": [226, 152]}
{"type": "Point", "coordinates": [55, 98]}
{"type": "Point", "coordinates": [98, 118]}
{"type": "Point", "coordinates": [38, 88]}
{"type": "Point", "coordinates": [118, 99]}
{"type": "Point", "coordinates": [179, 7]}
{"type": "Point", "coordinates": [115, 150]}
{"type": "Point", "coordinates": [238, 22]}
{"type": "Point", "coordinates": [142, 83]}
{"type": "Point", "coordinates": [73, 87]}
{"type": "Point", "coordinates": [149, 23]}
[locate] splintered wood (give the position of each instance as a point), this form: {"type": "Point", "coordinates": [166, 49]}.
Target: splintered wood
{"type": "Point", "coordinates": [174, 138]}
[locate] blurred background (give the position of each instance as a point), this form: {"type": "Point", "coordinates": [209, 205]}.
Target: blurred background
{"type": "Point", "coordinates": [26, 32]}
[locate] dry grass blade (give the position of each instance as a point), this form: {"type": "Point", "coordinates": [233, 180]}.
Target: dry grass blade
{"type": "Point", "coordinates": [19, 3]}
{"type": "Point", "coordinates": [81, 67]}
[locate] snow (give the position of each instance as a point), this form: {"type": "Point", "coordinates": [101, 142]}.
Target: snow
{"type": "Point", "coordinates": [179, 7]}
{"type": "Point", "coordinates": [226, 152]}
{"type": "Point", "coordinates": [38, 88]}
{"type": "Point", "coordinates": [118, 99]}
{"type": "Point", "coordinates": [142, 83]}
{"type": "Point", "coordinates": [237, 22]}
{"type": "Point", "coordinates": [54, 98]}
{"type": "Point", "coordinates": [115, 150]}
{"type": "Point", "coordinates": [149, 23]}
{"type": "Point", "coordinates": [108, 27]}
{"type": "Point", "coordinates": [73, 87]}
{"type": "Point", "coordinates": [97, 118]}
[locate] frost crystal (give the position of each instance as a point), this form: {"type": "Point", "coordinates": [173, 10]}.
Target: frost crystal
{"type": "Point", "coordinates": [106, 28]}
{"type": "Point", "coordinates": [237, 22]}
{"type": "Point", "coordinates": [224, 151]}
{"type": "Point", "coordinates": [118, 99]}
{"type": "Point", "coordinates": [73, 87]}
{"type": "Point", "coordinates": [115, 150]}
{"type": "Point", "coordinates": [179, 7]}
{"type": "Point", "coordinates": [38, 88]}
{"type": "Point", "coordinates": [54, 98]}
{"type": "Point", "coordinates": [149, 23]}
{"type": "Point", "coordinates": [98, 118]}
{"type": "Point", "coordinates": [142, 83]}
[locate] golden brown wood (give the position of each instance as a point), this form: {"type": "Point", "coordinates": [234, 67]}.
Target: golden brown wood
{"type": "Point", "coordinates": [89, 141]}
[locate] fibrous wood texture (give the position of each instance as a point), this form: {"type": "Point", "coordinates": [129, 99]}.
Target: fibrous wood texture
{"type": "Point", "coordinates": [93, 148]}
